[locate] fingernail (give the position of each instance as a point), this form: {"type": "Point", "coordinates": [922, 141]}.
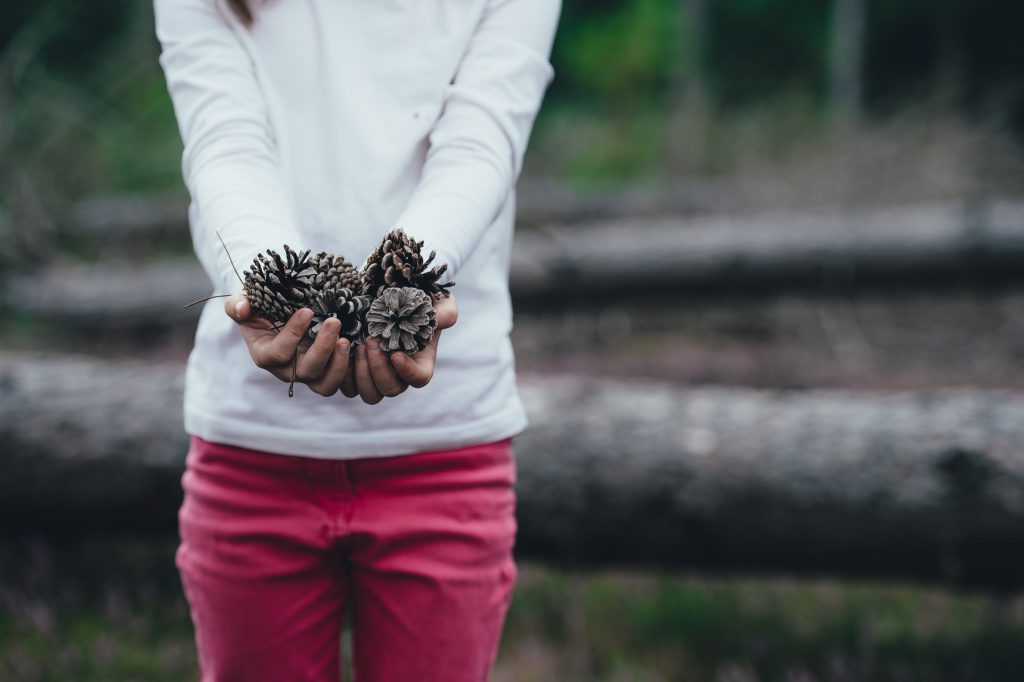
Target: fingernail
{"type": "Point", "coordinates": [238, 307]}
{"type": "Point", "coordinates": [372, 343]}
{"type": "Point", "coordinates": [398, 357]}
{"type": "Point", "coordinates": [343, 345]}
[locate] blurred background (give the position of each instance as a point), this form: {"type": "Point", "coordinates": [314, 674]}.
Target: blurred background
{"type": "Point", "coordinates": [769, 327]}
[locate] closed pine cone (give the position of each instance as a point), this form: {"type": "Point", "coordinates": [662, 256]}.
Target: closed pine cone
{"type": "Point", "coordinates": [402, 318]}
{"type": "Point", "coordinates": [397, 261]}
{"type": "Point", "coordinates": [343, 304]}
{"type": "Point", "coordinates": [335, 272]}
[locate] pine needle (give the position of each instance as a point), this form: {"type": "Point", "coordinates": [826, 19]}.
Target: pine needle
{"type": "Point", "coordinates": [291, 384]}
{"type": "Point", "coordinates": [203, 300]}
{"type": "Point", "coordinates": [230, 259]}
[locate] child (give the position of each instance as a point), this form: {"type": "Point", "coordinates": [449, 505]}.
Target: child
{"type": "Point", "coordinates": [322, 124]}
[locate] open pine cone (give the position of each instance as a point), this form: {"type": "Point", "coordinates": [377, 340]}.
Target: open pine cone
{"type": "Point", "coordinates": [398, 262]}
{"type": "Point", "coordinates": [276, 287]}
{"type": "Point", "coordinates": [402, 318]}
{"type": "Point", "coordinates": [343, 304]}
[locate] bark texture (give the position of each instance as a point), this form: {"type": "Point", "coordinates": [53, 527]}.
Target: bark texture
{"type": "Point", "coordinates": [925, 485]}
{"type": "Point", "coordinates": [615, 261]}
{"type": "Point", "coordinates": [906, 485]}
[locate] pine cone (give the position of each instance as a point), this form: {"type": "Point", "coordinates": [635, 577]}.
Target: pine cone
{"type": "Point", "coordinates": [276, 287]}
{"type": "Point", "coordinates": [398, 262]}
{"type": "Point", "coordinates": [334, 272]}
{"type": "Point", "coordinates": [402, 318]}
{"type": "Point", "coordinates": [343, 304]}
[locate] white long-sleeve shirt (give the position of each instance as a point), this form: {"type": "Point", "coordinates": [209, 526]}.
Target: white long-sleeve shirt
{"type": "Point", "coordinates": [323, 125]}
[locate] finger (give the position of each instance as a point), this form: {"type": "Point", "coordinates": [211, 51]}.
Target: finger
{"type": "Point", "coordinates": [313, 361]}
{"type": "Point", "coordinates": [348, 384]}
{"type": "Point", "coordinates": [417, 370]}
{"type": "Point", "coordinates": [284, 373]}
{"type": "Point", "coordinates": [446, 312]}
{"type": "Point", "coordinates": [257, 332]}
{"type": "Point", "coordinates": [237, 307]}
{"type": "Point", "coordinates": [384, 377]}
{"type": "Point", "coordinates": [364, 382]}
{"type": "Point", "coordinates": [276, 350]}
{"type": "Point", "coordinates": [336, 371]}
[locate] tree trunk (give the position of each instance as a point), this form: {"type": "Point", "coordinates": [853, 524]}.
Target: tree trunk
{"type": "Point", "coordinates": [689, 113]}
{"type": "Point", "coordinates": [848, 19]}
{"type": "Point", "coordinates": [909, 485]}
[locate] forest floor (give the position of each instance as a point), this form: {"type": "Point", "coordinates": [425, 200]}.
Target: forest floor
{"type": "Point", "coordinates": [111, 610]}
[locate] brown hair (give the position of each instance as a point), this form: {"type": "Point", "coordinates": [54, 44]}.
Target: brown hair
{"type": "Point", "coordinates": [241, 10]}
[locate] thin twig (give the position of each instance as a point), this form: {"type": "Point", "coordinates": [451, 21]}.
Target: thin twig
{"type": "Point", "coordinates": [277, 326]}
{"type": "Point", "coordinates": [203, 300]}
{"type": "Point", "coordinates": [230, 259]}
{"type": "Point", "coordinates": [291, 384]}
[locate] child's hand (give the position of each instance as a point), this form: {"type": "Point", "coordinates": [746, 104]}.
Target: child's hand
{"type": "Point", "coordinates": [322, 366]}
{"type": "Point", "coordinates": [377, 376]}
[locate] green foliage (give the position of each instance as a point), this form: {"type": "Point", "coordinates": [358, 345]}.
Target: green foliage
{"type": "Point", "coordinates": [651, 627]}
{"type": "Point", "coordinates": [77, 121]}
{"type": "Point", "coordinates": [596, 148]}
{"type": "Point", "coordinates": [622, 57]}
{"type": "Point", "coordinates": [103, 121]}
{"type": "Point", "coordinates": [83, 106]}
{"type": "Point", "coordinates": [760, 48]}
{"type": "Point", "coordinates": [593, 149]}
{"type": "Point", "coordinates": [67, 36]}
{"type": "Point", "coordinates": [103, 610]}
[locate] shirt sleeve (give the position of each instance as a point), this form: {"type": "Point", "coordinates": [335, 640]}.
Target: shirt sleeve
{"type": "Point", "coordinates": [477, 144]}
{"type": "Point", "coordinates": [230, 163]}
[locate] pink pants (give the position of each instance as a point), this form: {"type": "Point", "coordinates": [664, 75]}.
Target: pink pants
{"type": "Point", "coordinates": [274, 548]}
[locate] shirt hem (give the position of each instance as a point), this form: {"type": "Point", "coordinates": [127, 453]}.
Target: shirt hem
{"type": "Point", "coordinates": [507, 423]}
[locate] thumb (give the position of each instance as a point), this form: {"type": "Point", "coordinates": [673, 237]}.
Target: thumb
{"type": "Point", "coordinates": [237, 307]}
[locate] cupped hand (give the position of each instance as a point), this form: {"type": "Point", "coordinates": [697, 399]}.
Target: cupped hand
{"type": "Point", "coordinates": [378, 375]}
{"type": "Point", "coordinates": [321, 365]}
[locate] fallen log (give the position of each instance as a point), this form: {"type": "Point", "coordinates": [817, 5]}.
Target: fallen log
{"type": "Point", "coordinates": [830, 250]}
{"type": "Point", "coordinates": [115, 296]}
{"type": "Point", "coordinates": [128, 224]}
{"type": "Point", "coordinates": [907, 485]}
{"type": "Point", "coordinates": [137, 223]}
{"type": "Point", "coordinates": [915, 246]}
{"type": "Point", "coordinates": [926, 485]}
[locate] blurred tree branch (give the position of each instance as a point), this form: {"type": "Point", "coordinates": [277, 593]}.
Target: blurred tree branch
{"type": "Point", "coordinates": [689, 95]}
